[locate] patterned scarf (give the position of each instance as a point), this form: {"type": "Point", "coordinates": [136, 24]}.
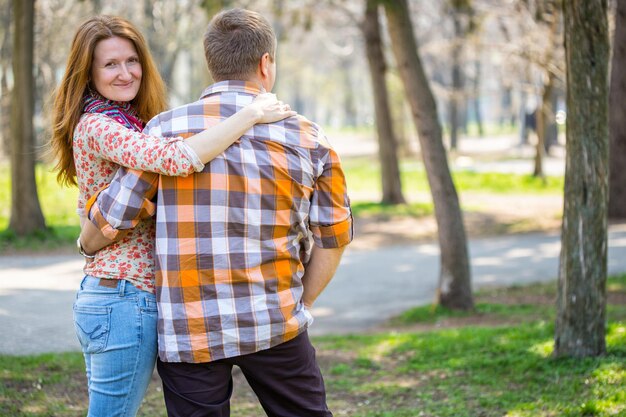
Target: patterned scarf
{"type": "Point", "coordinates": [120, 111]}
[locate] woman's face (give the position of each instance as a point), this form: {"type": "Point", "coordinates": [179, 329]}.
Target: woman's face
{"type": "Point", "coordinates": [116, 70]}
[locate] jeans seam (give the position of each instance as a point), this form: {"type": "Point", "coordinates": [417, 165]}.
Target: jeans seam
{"type": "Point", "coordinates": [138, 352]}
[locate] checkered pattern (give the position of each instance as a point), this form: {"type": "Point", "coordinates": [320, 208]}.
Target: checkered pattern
{"type": "Point", "coordinates": [232, 240]}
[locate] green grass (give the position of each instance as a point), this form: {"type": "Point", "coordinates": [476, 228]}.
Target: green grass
{"type": "Point", "coordinates": [433, 314]}
{"type": "Point", "coordinates": [387, 211]}
{"type": "Point", "coordinates": [59, 208]}
{"type": "Point", "coordinates": [481, 372]}
{"type": "Point", "coordinates": [363, 175]}
{"type": "Point", "coordinates": [489, 369]}
{"type": "Point", "coordinates": [526, 302]}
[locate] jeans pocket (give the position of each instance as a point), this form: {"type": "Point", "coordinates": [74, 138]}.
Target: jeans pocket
{"type": "Point", "coordinates": [149, 305]}
{"type": "Point", "coordinates": [92, 325]}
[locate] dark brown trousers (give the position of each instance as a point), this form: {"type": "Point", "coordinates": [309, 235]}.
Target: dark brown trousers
{"type": "Point", "coordinates": [285, 378]}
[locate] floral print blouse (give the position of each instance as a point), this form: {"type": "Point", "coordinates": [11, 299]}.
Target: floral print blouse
{"type": "Point", "coordinates": [100, 145]}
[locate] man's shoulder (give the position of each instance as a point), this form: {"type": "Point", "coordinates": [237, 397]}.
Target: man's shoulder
{"type": "Point", "coordinates": [166, 121]}
{"type": "Point", "coordinates": [307, 132]}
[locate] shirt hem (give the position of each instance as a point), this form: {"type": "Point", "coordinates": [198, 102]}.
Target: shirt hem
{"type": "Point", "coordinates": [163, 356]}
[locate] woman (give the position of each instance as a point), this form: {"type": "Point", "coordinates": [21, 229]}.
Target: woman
{"type": "Point", "coordinates": [110, 88]}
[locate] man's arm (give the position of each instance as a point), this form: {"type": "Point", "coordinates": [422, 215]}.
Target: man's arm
{"type": "Point", "coordinates": [331, 226]}
{"type": "Point", "coordinates": [118, 208]}
{"type": "Point", "coordinates": [319, 271]}
{"type": "Point", "coordinates": [92, 239]}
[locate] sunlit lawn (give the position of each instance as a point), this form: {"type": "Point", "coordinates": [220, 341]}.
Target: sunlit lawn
{"type": "Point", "coordinates": [363, 177]}
{"type": "Point", "coordinates": [57, 203]}
{"type": "Point", "coordinates": [499, 364]}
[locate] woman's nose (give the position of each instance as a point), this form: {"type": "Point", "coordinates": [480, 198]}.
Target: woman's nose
{"type": "Point", "coordinates": [124, 72]}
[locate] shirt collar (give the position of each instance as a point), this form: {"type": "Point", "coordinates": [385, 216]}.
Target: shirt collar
{"type": "Point", "coordinates": [233, 86]}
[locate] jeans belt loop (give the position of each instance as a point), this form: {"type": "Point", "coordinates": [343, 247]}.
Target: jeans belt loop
{"type": "Point", "coordinates": [122, 287]}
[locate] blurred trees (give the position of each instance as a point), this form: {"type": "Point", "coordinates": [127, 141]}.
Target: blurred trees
{"type": "Point", "coordinates": [171, 28]}
{"type": "Point", "coordinates": [26, 215]}
{"type": "Point", "coordinates": [454, 279]}
{"type": "Point", "coordinates": [532, 34]}
{"type": "Point", "coordinates": [321, 65]}
{"type": "Point", "coordinates": [617, 118]}
{"type": "Point", "coordinates": [581, 303]}
{"type": "Point", "coordinates": [548, 17]}
{"type": "Point", "coordinates": [387, 141]}
{"type": "Point", "coordinates": [461, 11]}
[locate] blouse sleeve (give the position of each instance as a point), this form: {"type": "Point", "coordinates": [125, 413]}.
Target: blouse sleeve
{"type": "Point", "coordinates": [126, 147]}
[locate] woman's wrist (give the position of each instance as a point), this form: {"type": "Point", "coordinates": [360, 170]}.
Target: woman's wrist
{"type": "Point", "coordinates": [254, 114]}
{"type": "Point", "coordinates": [82, 250]}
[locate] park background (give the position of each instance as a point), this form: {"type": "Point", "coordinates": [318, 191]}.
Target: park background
{"type": "Point", "coordinates": [497, 75]}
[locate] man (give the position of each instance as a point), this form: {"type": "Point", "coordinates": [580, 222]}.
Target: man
{"type": "Point", "coordinates": [236, 273]}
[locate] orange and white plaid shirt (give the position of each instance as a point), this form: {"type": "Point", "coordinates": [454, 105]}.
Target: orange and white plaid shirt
{"type": "Point", "coordinates": [233, 240]}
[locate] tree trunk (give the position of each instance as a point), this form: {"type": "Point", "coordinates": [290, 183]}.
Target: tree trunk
{"type": "Point", "coordinates": [387, 142]}
{"type": "Point", "coordinates": [5, 98]}
{"type": "Point", "coordinates": [617, 118]}
{"type": "Point", "coordinates": [545, 114]}
{"type": "Point", "coordinates": [164, 56]}
{"type": "Point", "coordinates": [463, 116]}
{"type": "Point", "coordinates": [5, 113]}
{"type": "Point", "coordinates": [455, 279]}
{"type": "Point", "coordinates": [476, 97]}
{"type": "Point", "coordinates": [581, 302]}
{"type": "Point", "coordinates": [26, 215]}
{"type": "Point", "coordinates": [457, 82]}
{"type": "Point", "coordinates": [524, 129]}
{"type": "Point", "coordinates": [551, 134]}
{"type": "Point", "coordinates": [506, 106]}
{"type": "Point", "coordinates": [349, 105]}
{"type": "Point", "coordinates": [545, 111]}
{"type": "Point", "coordinates": [297, 95]}
{"type": "Point", "coordinates": [280, 33]}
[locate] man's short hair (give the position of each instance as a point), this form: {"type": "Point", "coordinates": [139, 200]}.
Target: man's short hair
{"type": "Point", "coordinates": [235, 41]}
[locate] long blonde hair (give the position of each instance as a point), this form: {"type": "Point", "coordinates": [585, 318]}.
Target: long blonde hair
{"type": "Point", "coordinates": [68, 100]}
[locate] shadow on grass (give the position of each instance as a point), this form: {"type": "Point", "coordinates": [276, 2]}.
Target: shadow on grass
{"type": "Point", "coordinates": [484, 369]}
{"type": "Point", "coordinates": [477, 372]}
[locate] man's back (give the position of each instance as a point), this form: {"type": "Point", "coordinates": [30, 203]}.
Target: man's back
{"type": "Point", "coordinates": [232, 240]}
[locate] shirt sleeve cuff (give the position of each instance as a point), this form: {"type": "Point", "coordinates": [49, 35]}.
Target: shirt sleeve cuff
{"type": "Point", "coordinates": [335, 235]}
{"type": "Point", "coordinates": [94, 215]}
{"type": "Point", "coordinates": [96, 218]}
{"type": "Point", "coordinates": [193, 157]}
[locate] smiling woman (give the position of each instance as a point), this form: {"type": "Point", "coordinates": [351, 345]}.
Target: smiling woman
{"type": "Point", "coordinates": [116, 71]}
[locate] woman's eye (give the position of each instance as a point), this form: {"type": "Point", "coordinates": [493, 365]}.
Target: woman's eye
{"type": "Point", "coordinates": [110, 65]}
{"type": "Point", "coordinates": [133, 60]}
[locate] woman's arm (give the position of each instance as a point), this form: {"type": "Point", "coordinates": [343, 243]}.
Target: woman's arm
{"type": "Point", "coordinates": [265, 108]}
{"type": "Point", "coordinates": [175, 156]}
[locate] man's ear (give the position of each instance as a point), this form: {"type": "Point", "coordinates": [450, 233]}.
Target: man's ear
{"type": "Point", "coordinates": [264, 65]}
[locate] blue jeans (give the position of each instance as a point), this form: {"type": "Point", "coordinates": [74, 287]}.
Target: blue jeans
{"type": "Point", "coordinates": [117, 329]}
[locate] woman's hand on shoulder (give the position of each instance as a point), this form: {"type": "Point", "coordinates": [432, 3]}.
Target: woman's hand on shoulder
{"type": "Point", "coordinates": [269, 109]}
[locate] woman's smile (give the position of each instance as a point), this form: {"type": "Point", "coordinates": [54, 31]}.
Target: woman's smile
{"type": "Point", "coordinates": [116, 71]}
